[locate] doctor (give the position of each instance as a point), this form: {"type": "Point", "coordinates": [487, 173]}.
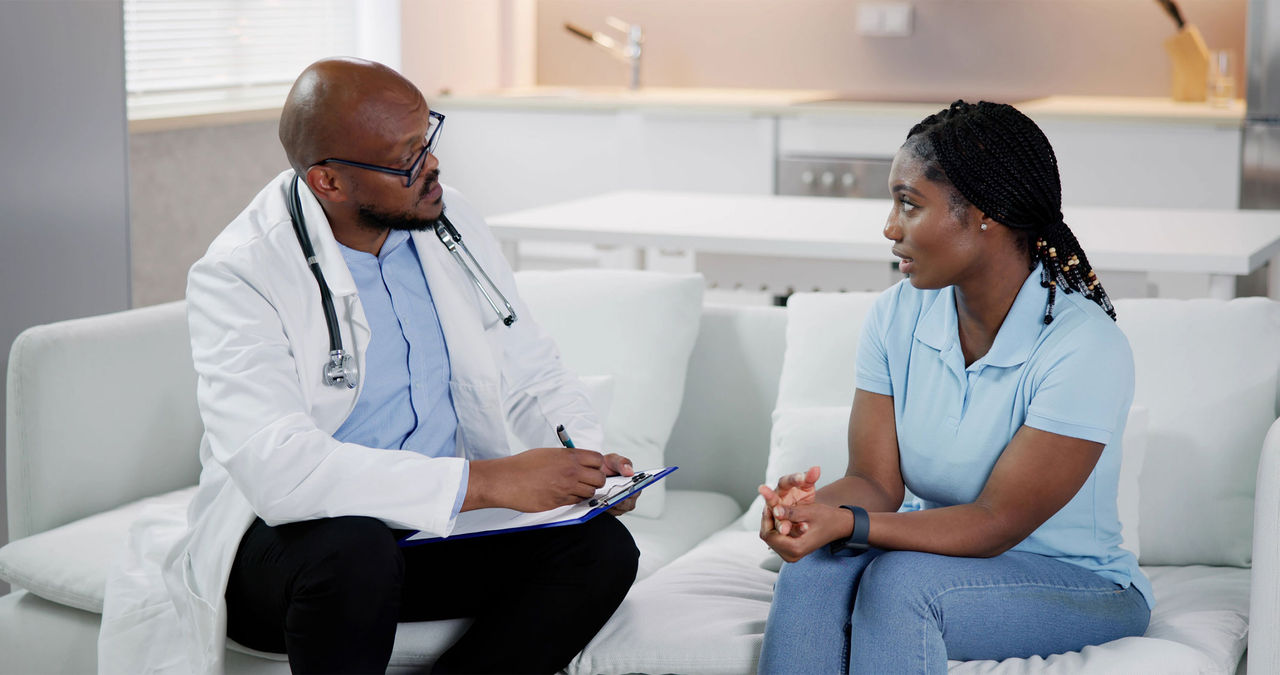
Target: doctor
{"type": "Point", "coordinates": [290, 544]}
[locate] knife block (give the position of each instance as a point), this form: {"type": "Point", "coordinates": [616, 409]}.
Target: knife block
{"type": "Point", "coordinates": [1190, 59]}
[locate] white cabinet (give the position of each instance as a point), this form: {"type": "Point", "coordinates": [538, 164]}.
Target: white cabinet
{"type": "Point", "coordinates": [509, 158]}
{"type": "Point", "coordinates": [1157, 165]}
{"type": "Point", "coordinates": [862, 134]}
{"type": "Point", "coordinates": [702, 152]}
{"type": "Point", "coordinates": [505, 160]}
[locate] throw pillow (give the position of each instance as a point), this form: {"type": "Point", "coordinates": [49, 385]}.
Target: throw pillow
{"type": "Point", "coordinates": [68, 564]}
{"type": "Point", "coordinates": [823, 330]}
{"type": "Point", "coordinates": [1129, 494]}
{"type": "Point", "coordinates": [1207, 372]}
{"type": "Point", "coordinates": [639, 328]}
{"type": "Point", "coordinates": [599, 390]}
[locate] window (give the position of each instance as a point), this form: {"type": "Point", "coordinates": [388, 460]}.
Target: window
{"type": "Point", "coordinates": [188, 57]}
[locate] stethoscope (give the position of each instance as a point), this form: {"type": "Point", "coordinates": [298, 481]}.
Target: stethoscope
{"type": "Point", "coordinates": [341, 368]}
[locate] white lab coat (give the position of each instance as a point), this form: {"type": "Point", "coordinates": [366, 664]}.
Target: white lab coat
{"type": "Point", "coordinates": [259, 343]}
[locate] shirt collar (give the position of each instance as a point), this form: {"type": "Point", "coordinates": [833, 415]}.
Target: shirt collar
{"type": "Point", "coordinates": [939, 327]}
{"type": "Point", "coordinates": [395, 239]}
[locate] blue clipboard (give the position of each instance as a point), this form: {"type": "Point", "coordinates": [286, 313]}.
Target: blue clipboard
{"type": "Point", "coordinates": [484, 522]}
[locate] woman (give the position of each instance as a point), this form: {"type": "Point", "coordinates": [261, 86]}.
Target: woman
{"type": "Point", "coordinates": [995, 386]}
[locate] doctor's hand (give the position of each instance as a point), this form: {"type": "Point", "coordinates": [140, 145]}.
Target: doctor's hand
{"type": "Point", "coordinates": [535, 480]}
{"type": "Point", "coordinates": [793, 489]}
{"type": "Point", "coordinates": [813, 526]}
{"type": "Point", "coordinates": [617, 465]}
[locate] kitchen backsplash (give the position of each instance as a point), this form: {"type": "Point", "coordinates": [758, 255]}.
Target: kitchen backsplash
{"type": "Point", "coordinates": [998, 49]}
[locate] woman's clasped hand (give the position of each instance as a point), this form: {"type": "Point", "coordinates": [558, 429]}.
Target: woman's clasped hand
{"type": "Point", "coordinates": [793, 523]}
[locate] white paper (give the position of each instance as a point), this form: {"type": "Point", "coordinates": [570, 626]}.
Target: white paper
{"type": "Point", "coordinates": [485, 520]}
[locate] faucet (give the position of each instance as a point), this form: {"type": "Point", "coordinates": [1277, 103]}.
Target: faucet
{"type": "Point", "coordinates": [628, 53]}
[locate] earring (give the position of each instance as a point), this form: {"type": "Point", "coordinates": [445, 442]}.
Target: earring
{"type": "Point", "coordinates": [983, 227]}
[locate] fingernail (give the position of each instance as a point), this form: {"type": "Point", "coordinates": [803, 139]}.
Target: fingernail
{"type": "Point", "coordinates": [799, 477]}
{"type": "Point", "coordinates": [779, 512]}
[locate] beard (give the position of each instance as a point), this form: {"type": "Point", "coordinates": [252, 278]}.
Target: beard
{"type": "Point", "coordinates": [378, 220]}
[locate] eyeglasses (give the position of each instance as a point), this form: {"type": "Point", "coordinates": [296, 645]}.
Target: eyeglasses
{"type": "Point", "coordinates": [410, 175]}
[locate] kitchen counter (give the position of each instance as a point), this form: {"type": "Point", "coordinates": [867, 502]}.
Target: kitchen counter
{"type": "Point", "coordinates": [787, 102]}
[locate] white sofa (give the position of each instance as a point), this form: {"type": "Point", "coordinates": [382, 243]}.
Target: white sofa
{"type": "Point", "coordinates": [102, 414]}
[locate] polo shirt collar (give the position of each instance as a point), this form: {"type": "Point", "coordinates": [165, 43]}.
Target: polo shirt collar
{"type": "Point", "coordinates": [939, 327]}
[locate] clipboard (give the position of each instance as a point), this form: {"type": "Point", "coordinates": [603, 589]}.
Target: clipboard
{"type": "Point", "coordinates": [484, 522]}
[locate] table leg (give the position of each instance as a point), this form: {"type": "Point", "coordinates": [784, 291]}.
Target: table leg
{"type": "Point", "coordinates": [1222, 286]}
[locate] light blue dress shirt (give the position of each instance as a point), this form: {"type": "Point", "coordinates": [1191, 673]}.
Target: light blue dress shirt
{"type": "Point", "coordinates": [1073, 377]}
{"type": "Point", "coordinates": [404, 403]}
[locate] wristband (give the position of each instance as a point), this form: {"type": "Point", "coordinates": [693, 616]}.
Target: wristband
{"type": "Point", "coordinates": [856, 544]}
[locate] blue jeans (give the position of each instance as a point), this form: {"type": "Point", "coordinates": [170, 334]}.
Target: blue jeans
{"type": "Point", "coordinates": [908, 612]}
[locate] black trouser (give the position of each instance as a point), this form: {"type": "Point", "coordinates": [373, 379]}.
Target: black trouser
{"type": "Point", "coordinates": [329, 592]}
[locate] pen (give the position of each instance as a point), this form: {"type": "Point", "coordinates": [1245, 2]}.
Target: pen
{"type": "Point", "coordinates": [568, 443]}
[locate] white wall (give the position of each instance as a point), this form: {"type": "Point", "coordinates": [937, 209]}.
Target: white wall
{"type": "Point", "coordinates": [63, 181]}
{"type": "Point", "coordinates": [467, 46]}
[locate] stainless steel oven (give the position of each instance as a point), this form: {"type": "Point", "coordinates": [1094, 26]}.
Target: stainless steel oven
{"type": "Point", "coordinates": [833, 176]}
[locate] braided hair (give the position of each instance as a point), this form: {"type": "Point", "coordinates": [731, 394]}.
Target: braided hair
{"type": "Point", "coordinates": [997, 159]}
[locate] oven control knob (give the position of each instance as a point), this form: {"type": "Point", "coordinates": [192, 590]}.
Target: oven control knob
{"type": "Point", "coordinates": [828, 179]}
{"type": "Point", "coordinates": [847, 181]}
{"type": "Point", "coordinates": [807, 177]}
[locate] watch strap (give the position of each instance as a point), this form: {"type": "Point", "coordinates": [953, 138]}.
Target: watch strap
{"type": "Point", "coordinates": [856, 544]}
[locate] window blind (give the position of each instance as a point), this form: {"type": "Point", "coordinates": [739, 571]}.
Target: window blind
{"type": "Point", "coordinates": [201, 56]}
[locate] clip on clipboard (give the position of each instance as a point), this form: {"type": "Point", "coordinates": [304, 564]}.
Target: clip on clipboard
{"type": "Point", "coordinates": [483, 522]}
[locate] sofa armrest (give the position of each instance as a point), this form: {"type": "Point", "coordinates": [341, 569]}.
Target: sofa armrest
{"type": "Point", "coordinates": [1264, 600]}
{"type": "Point", "coordinates": [101, 412]}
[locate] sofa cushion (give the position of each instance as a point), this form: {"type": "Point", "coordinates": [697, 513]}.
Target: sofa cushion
{"type": "Point", "coordinates": [69, 564]}
{"type": "Point", "coordinates": [1208, 373]}
{"type": "Point", "coordinates": [640, 328]}
{"type": "Point", "coordinates": [690, 517]}
{"type": "Point", "coordinates": [706, 611]}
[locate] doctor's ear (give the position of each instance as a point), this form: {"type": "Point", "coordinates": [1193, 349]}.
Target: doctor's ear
{"type": "Point", "coordinates": [326, 184]}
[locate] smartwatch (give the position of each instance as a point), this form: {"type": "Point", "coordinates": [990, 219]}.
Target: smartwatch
{"type": "Point", "coordinates": [856, 544]}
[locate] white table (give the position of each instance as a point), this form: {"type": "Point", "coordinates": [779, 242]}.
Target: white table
{"type": "Point", "coordinates": [1220, 244]}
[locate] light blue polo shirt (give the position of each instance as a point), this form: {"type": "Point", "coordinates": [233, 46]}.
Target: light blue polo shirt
{"type": "Point", "coordinates": [1073, 377]}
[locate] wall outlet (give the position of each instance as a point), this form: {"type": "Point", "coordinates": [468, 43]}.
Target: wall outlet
{"type": "Point", "coordinates": [884, 19]}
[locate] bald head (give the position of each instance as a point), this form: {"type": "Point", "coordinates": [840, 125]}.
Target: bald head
{"type": "Point", "coordinates": [343, 107]}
